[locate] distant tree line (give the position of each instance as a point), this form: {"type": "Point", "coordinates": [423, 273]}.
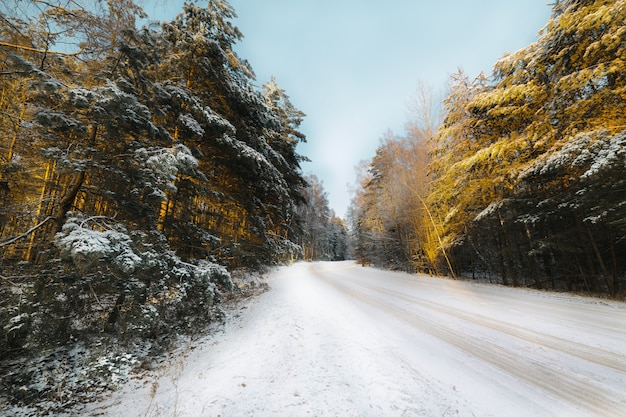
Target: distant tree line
{"type": "Point", "coordinates": [523, 177]}
{"type": "Point", "coordinates": [137, 166]}
{"type": "Point", "coordinates": [325, 236]}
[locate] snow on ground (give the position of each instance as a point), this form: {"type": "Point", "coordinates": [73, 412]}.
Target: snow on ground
{"type": "Point", "coordinates": [337, 339]}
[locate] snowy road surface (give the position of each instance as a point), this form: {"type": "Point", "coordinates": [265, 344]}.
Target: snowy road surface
{"type": "Point", "coordinates": [337, 339]}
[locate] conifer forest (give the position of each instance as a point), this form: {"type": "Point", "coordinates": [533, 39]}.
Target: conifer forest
{"type": "Point", "coordinates": [142, 165]}
{"type": "Point", "coordinates": [520, 176]}
{"type": "Point", "coordinates": [139, 165]}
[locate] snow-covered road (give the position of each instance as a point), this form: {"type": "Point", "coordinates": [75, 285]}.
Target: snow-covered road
{"type": "Point", "coordinates": [337, 339]}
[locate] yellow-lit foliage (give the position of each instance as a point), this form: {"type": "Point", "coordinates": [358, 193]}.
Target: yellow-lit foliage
{"type": "Point", "coordinates": [570, 81]}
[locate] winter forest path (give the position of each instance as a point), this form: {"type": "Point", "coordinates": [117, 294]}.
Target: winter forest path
{"type": "Point", "coordinates": [337, 339]}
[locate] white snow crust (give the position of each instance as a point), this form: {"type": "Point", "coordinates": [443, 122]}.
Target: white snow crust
{"type": "Point", "coordinates": [338, 339]}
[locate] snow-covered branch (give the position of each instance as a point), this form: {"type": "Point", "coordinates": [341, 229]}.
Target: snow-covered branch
{"type": "Point", "coordinates": [27, 233]}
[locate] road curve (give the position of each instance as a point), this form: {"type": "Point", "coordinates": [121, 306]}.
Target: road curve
{"type": "Point", "coordinates": [337, 339]}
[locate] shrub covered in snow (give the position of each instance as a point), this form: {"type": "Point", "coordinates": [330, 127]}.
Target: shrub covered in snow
{"type": "Point", "coordinates": [57, 380]}
{"type": "Point", "coordinates": [108, 284]}
{"type": "Point", "coordinates": [85, 246]}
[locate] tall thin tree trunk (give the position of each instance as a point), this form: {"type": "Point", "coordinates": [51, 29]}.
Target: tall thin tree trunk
{"type": "Point", "coordinates": [49, 168]}
{"type": "Point", "coordinates": [166, 206]}
{"type": "Point", "coordinates": [507, 260]}
{"type": "Point", "coordinates": [588, 256]}
{"type": "Point", "coordinates": [13, 143]}
{"type": "Point", "coordinates": [605, 272]}
{"type": "Point", "coordinates": [614, 268]}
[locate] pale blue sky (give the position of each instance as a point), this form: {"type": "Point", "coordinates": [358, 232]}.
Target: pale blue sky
{"type": "Point", "coordinates": [353, 65]}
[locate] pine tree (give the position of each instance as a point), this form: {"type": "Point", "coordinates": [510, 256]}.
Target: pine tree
{"type": "Point", "coordinates": [249, 146]}
{"type": "Point", "coordinates": [139, 159]}
{"type": "Point", "coordinates": [520, 194]}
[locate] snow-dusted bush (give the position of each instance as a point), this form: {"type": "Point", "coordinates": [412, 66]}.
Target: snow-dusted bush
{"type": "Point", "coordinates": [109, 285]}
{"type": "Point", "coordinates": [54, 381]}
{"type": "Point", "coordinates": [161, 166]}
{"type": "Point", "coordinates": [85, 246]}
{"type": "Point", "coordinates": [284, 249]}
{"type": "Point", "coordinates": [110, 279]}
{"type": "Point", "coordinates": [210, 272]}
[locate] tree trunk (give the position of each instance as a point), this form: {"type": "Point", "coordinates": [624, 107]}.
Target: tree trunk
{"type": "Point", "coordinates": [605, 272]}
{"type": "Point", "coordinates": [67, 201]}
{"type": "Point", "coordinates": [114, 314]}
{"type": "Point", "coordinates": [49, 168]}
{"type": "Point", "coordinates": [614, 268]}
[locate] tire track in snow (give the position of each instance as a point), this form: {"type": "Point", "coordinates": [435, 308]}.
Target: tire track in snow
{"type": "Point", "coordinates": [574, 389]}
{"type": "Point", "coordinates": [595, 355]}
